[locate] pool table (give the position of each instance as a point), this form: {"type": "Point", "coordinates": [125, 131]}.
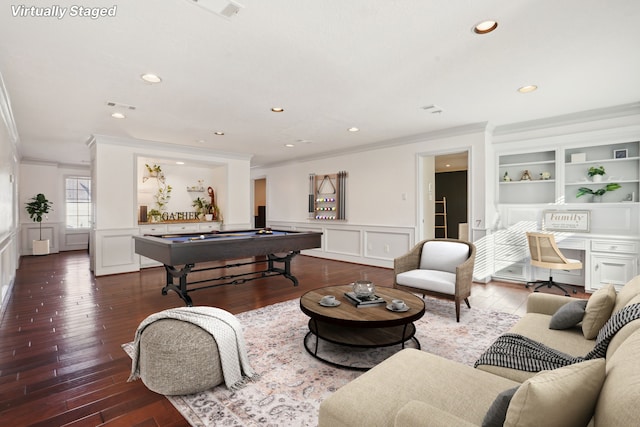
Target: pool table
{"type": "Point", "coordinates": [180, 252]}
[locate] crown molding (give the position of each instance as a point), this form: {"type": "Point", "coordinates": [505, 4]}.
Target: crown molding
{"type": "Point", "coordinates": [150, 146]}
{"type": "Point", "coordinates": [39, 162]}
{"type": "Point", "coordinates": [569, 119]}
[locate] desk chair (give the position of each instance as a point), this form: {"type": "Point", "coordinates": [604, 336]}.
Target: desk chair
{"type": "Point", "coordinates": [545, 254]}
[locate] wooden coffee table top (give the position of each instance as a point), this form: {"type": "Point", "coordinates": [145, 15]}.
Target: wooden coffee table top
{"type": "Point", "coordinates": [349, 315]}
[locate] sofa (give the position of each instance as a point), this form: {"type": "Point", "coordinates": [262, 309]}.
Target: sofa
{"type": "Point", "coordinates": [416, 388]}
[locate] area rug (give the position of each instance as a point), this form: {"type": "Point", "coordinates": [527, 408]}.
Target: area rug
{"type": "Point", "coordinates": [293, 383]}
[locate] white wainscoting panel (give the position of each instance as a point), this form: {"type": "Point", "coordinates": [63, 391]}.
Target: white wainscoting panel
{"type": "Point", "coordinates": [114, 251]}
{"type": "Point", "coordinates": [74, 241]}
{"type": "Point", "coordinates": [31, 232]}
{"type": "Point", "coordinates": [386, 245]}
{"type": "Point", "coordinates": [362, 244]}
{"type": "Point", "coordinates": [343, 241]}
{"type": "Point", "coordinates": [8, 266]}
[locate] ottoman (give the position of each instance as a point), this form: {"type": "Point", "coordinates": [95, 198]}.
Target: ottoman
{"type": "Point", "coordinates": [178, 358]}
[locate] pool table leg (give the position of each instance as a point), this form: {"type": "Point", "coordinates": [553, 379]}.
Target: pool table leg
{"type": "Point", "coordinates": [181, 274]}
{"type": "Point", "coordinates": [286, 272]}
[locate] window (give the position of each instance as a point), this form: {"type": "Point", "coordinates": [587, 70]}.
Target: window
{"type": "Point", "coordinates": [78, 201]}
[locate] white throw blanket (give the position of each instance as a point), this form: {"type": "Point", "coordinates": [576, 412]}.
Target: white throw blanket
{"type": "Point", "coordinates": [223, 327]}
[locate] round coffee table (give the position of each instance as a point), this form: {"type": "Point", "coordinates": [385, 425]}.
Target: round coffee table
{"type": "Point", "coordinates": [349, 325]}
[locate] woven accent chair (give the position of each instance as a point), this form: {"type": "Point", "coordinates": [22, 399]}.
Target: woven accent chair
{"type": "Point", "coordinates": [545, 254]}
{"type": "Point", "coordinates": [442, 268]}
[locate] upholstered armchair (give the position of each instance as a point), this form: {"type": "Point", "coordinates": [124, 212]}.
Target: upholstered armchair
{"type": "Point", "coordinates": [442, 268]}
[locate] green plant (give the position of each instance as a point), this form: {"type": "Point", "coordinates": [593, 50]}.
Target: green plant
{"type": "Point", "coordinates": [609, 187]}
{"type": "Point", "coordinates": [153, 170]}
{"type": "Point", "coordinates": [37, 207]}
{"type": "Point", "coordinates": [202, 206]}
{"type": "Point", "coordinates": [155, 214]}
{"type": "Point", "coordinates": [596, 170]}
{"type": "Point", "coordinates": [163, 194]}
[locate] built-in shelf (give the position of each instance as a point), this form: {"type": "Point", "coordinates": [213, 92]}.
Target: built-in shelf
{"type": "Point", "coordinates": [526, 164]}
{"type": "Point", "coordinates": [606, 259]}
{"type": "Point", "coordinates": [600, 161]}
{"type": "Point", "coordinates": [599, 184]}
{"type": "Point", "coordinates": [623, 171]}
{"type": "Point", "coordinates": [539, 181]}
{"type": "Point", "coordinates": [535, 190]}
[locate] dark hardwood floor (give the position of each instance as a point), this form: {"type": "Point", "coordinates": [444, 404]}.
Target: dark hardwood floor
{"type": "Point", "coordinates": [60, 357]}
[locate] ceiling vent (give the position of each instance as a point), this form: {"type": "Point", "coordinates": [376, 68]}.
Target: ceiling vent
{"type": "Point", "coordinates": [225, 8]}
{"type": "Point", "coordinates": [433, 109]}
{"type": "Point", "coordinates": [119, 105]}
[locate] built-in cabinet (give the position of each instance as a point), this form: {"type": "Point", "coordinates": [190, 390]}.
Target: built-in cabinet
{"type": "Point", "coordinates": [613, 261]}
{"type": "Point", "coordinates": [529, 182]}
{"type": "Point", "coordinates": [510, 255]}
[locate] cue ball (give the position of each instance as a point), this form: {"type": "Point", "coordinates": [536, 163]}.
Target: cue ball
{"type": "Point", "coordinates": [202, 236]}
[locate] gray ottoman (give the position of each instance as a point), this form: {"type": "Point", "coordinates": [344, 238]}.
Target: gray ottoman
{"type": "Point", "coordinates": [178, 357]}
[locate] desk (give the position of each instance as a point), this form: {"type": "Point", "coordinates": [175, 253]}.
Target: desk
{"type": "Point", "coordinates": [605, 258]}
{"type": "Point", "coordinates": [185, 250]}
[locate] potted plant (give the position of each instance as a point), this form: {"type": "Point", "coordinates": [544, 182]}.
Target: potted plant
{"type": "Point", "coordinates": [203, 208]}
{"type": "Point", "coordinates": [154, 215]}
{"type": "Point", "coordinates": [37, 208]}
{"type": "Point", "coordinates": [597, 193]}
{"type": "Point", "coordinates": [154, 170]}
{"type": "Point", "coordinates": [596, 173]}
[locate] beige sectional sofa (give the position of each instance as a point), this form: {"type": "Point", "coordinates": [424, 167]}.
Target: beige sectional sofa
{"type": "Point", "coordinates": [416, 388]}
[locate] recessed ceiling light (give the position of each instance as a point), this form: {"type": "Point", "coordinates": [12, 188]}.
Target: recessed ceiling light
{"type": "Point", "coordinates": [219, 133]}
{"type": "Point", "coordinates": [179, 163]}
{"type": "Point", "coordinates": [353, 129]}
{"type": "Point", "coordinates": [118, 115]}
{"type": "Point", "coordinates": [528, 88]}
{"type": "Point", "coordinates": [485, 27]}
{"type": "Point", "coordinates": [289, 145]}
{"type": "Point", "coordinates": [151, 78]}
{"type": "Point", "coordinates": [447, 165]}
{"type": "Point", "coordinates": [277, 109]}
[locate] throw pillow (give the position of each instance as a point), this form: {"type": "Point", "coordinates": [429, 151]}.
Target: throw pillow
{"type": "Point", "coordinates": [568, 315]}
{"type": "Point", "coordinates": [598, 311]}
{"type": "Point", "coordinates": [498, 410]}
{"type": "Point", "coordinates": [627, 293]}
{"type": "Point", "coordinates": [563, 397]}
